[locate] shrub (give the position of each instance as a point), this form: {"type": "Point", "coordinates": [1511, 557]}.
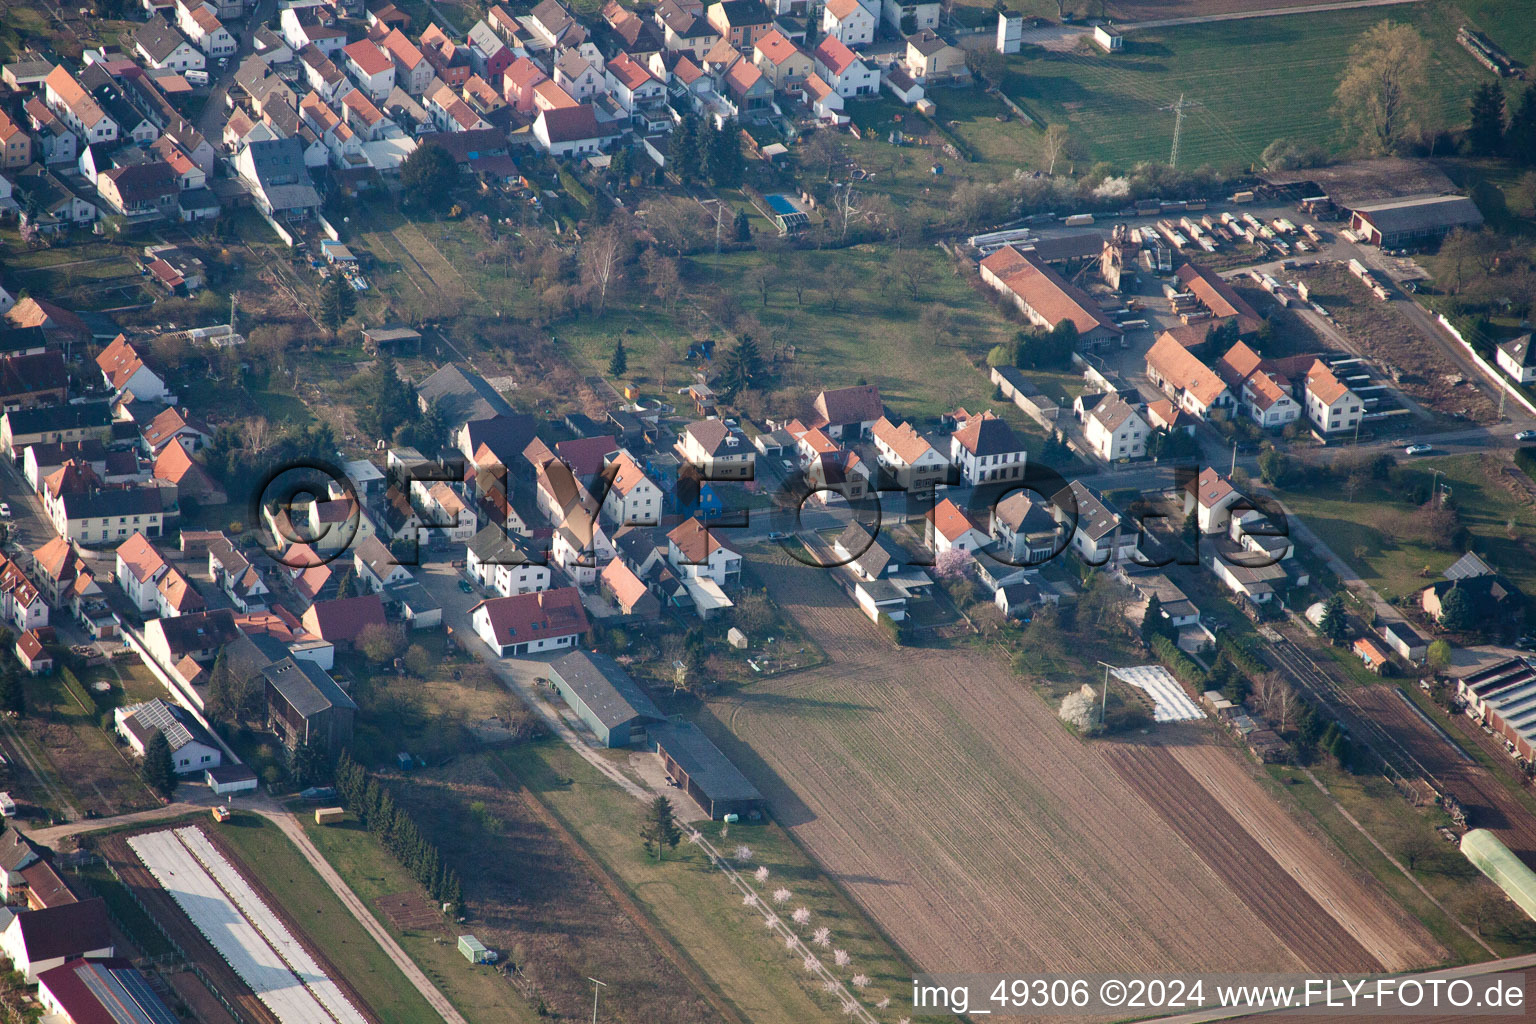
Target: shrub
{"type": "Point", "coordinates": [1177, 662]}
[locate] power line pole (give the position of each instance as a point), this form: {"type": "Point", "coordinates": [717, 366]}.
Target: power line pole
{"type": "Point", "coordinates": [1178, 125]}
{"type": "Point", "coordinates": [595, 984]}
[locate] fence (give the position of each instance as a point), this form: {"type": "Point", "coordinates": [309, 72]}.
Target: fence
{"type": "Point", "coordinates": [1485, 366]}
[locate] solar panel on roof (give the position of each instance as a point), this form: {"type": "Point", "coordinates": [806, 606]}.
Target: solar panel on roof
{"type": "Point", "coordinates": [157, 715]}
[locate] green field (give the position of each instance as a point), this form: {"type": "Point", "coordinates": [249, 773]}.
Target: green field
{"type": "Point", "coordinates": [1509, 23]}
{"type": "Point", "coordinates": [268, 855]}
{"type": "Point", "coordinates": [1362, 531]}
{"type": "Point", "coordinates": [1257, 81]}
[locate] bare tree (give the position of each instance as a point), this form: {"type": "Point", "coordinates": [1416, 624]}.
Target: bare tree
{"type": "Point", "coordinates": [760, 278]}
{"type": "Point", "coordinates": [1384, 84]}
{"type": "Point", "coordinates": [938, 320]}
{"type": "Point", "coordinates": [1415, 846]}
{"type": "Point", "coordinates": [914, 269]}
{"type": "Point", "coordinates": [836, 279]}
{"type": "Point", "coordinates": [601, 263]}
{"type": "Point", "coordinates": [665, 277]}
{"type": "Point", "coordinates": [1052, 144]}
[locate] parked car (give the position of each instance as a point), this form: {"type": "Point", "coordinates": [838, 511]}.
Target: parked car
{"type": "Point", "coordinates": [5, 510]}
{"type": "Point", "coordinates": [1526, 435]}
{"type": "Point", "coordinates": [1418, 449]}
{"type": "Point", "coordinates": [464, 586]}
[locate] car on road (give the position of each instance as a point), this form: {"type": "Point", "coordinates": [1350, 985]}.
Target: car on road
{"type": "Point", "coordinates": [1526, 435]}
{"type": "Point", "coordinates": [464, 586]}
{"type": "Point", "coordinates": [1418, 449]}
{"type": "Point", "coordinates": [5, 510]}
{"type": "Point", "coordinates": [778, 535]}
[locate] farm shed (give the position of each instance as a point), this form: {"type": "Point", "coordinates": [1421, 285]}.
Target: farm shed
{"type": "Point", "coordinates": [1413, 221]}
{"type": "Point", "coordinates": [1508, 872]}
{"type": "Point", "coordinates": [1503, 697]}
{"type": "Point", "coordinates": [1368, 651]}
{"type": "Point", "coordinates": [704, 772]}
{"type": "Point", "coordinates": [604, 696]}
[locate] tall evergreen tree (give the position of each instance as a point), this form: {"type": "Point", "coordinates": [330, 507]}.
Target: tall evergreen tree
{"type": "Point", "coordinates": [1520, 139]}
{"type": "Point", "coordinates": [1486, 135]}
{"type": "Point", "coordinates": [338, 301]}
{"type": "Point", "coordinates": [743, 366]}
{"type": "Point", "coordinates": [385, 402]}
{"type": "Point", "coordinates": [1334, 624]}
{"type": "Point", "coordinates": [158, 770]}
{"type": "Point", "coordinates": [743, 227]}
{"type": "Point", "coordinates": [723, 160]}
{"type": "Point", "coordinates": [13, 697]}
{"type": "Point", "coordinates": [619, 364]}
{"type": "Point", "coordinates": [660, 830]}
{"type": "Point", "coordinates": [686, 152]}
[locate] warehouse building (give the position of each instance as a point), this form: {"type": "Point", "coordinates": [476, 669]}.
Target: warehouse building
{"type": "Point", "coordinates": [1503, 697]}
{"type": "Point", "coordinates": [604, 696]}
{"type": "Point", "coordinates": [1415, 221]}
{"type": "Point", "coordinates": [704, 773]}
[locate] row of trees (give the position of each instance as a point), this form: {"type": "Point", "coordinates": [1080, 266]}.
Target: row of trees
{"type": "Point", "coordinates": [397, 830]}
{"type": "Point", "coordinates": [1498, 131]}
{"type": "Point", "coordinates": [701, 152]}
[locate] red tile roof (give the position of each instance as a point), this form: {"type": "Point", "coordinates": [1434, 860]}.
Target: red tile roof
{"type": "Point", "coordinates": [525, 617]}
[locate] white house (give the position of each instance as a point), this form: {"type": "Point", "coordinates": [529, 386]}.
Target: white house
{"type": "Point", "coordinates": [1025, 529]}
{"type": "Point", "coordinates": [192, 749]}
{"type": "Point", "coordinates": [1100, 535]}
{"type": "Point", "coordinates": [505, 563]}
{"type": "Point", "coordinates": [720, 452]}
{"type": "Point", "coordinates": [842, 69]}
{"type": "Point", "coordinates": [1211, 501]}
{"type": "Point", "coordinates": [124, 370]}
{"type": "Point", "coordinates": [371, 68]}
{"type": "Point", "coordinates": [580, 546]}
{"type": "Point", "coordinates": [1115, 430]}
{"type": "Point", "coordinates": [446, 519]}
{"type": "Point", "coordinates": [1516, 360]}
{"type": "Point", "coordinates": [524, 624]}
{"type": "Point", "coordinates": [1331, 406]}
{"type": "Point", "coordinates": [694, 552]}
{"type": "Point", "coordinates": [40, 940]}
{"type": "Point", "coordinates": [579, 75]}
{"type": "Point", "coordinates": [907, 18]}
{"type": "Point", "coordinates": [986, 450]}
{"type": "Point", "coordinates": [949, 528]}
{"type": "Point", "coordinates": [139, 568]}
{"type": "Point", "coordinates": [849, 21]}
{"type": "Point", "coordinates": [632, 499]}
{"type": "Point", "coordinates": [569, 131]}
{"type": "Point", "coordinates": [376, 566]}
{"type": "Point", "coordinates": [200, 22]}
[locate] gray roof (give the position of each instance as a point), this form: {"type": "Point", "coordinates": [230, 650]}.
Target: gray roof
{"type": "Point", "coordinates": [1519, 350]}
{"type": "Point", "coordinates": [159, 715]}
{"type": "Point", "coordinates": [1112, 413]}
{"type": "Point", "coordinates": [1421, 213]}
{"type": "Point", "coordinates": [133, 501]}
{"type": "Point", "coordinates": [307, 687]}
{"type": "Point", "coordinates": [605, 688]}
{"type": "Point", "coordinates": [59, 417]}
{"type": "Point", "coordinates": [278, 162]}
{"type": "Point", "coordinates": [706, 766]}
{"type": "Point", "coordinates": [1096, 518]}
{"type": "Point", "coordinates": [462, 395]}
{"type": "Point", "coordinates": [498, 547]}
{"type": "Point", "coordinates": [159, 38]}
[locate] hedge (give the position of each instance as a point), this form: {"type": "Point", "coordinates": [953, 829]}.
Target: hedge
{"type": "Point", "coordinates": [1525, 458]}
{"type": "Point", "coordinates": [1177, 662]}
{"type": "Point", "coordinates": [1240, 651]}
{"type": "Point", "coordinates": [576, 190]}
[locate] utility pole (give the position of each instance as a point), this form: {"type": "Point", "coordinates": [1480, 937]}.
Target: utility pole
{"type": "Point", "coordinates": [595, 984]}
{"type": "Point", "coordinates": [1104, 700]}
{"type": "Point", "coordinates": [1178, 124]}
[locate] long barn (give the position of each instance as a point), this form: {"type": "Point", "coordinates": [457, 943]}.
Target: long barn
{"type": "Point", "coordinates": [704, 773]}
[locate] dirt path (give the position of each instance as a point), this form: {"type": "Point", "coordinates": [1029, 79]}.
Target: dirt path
{"type": "Point", "coordinates": [1220, 10]}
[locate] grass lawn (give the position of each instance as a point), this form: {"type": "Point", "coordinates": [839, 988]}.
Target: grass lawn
{"type": "Point", "coordinates": [138, 925]}
{"type": "Point", "coordinates": [477, 991]}
{"type": "Point", "coordinates": [1358, 531]}
{"type": "Point", "coordinates": [1257, 81]}
{"type": "Point", "coordinates": [695, 904]}
{"type": "Point", "coordinates": [1379, 808]}
{"type": "Point", "coordinates": [860, 335]}
{"type": "Point", "coordinates": [268, 855]}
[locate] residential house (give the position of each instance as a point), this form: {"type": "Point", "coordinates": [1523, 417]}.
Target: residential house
{"type": "Point", "coordinates": [620, 584]}
{"type": "Point", "coordinates": [488, 54]}
{"type": "Point", "coordinates": [868, 556]}
{"type": "Point", "coordinates": [69, 100]}
{"type": "Point", "coordinates": [413, 72]}
{"type": "Point", "coordinates": [948, 527]}
{"type": "Point", "coordinates": [15, 144]}
{"type": "Point", "coordinates": [1045, 297]}
{"type": "Point", "coordinates": [176, 424]}
{"type": "Point", "coordinates": [784, 63]}
{"type": "Point", "coordinates": [524, 624]}
{"type": "Point", "coordinates": [1025, 529]}
{"type": "Point", "coordinates": [175, 465]}
{"type": "Point", "coordinates": [372, 68]}
{"type": "Point", "coordinates": [232, 572]}
{"type": "Point", "coordinates": [200, 22]}
{"type": "Point", "coordinates": [986, 451]}
{"type": "Point", "coordinates": [740, 22]}
{"type": "Point", "coordinates": [824, 101]}
{"type": "Point", "coordinates": [140, 192]}
{"type": "Point", "coordinates": [631, 498]}
{"type": "Point", "coordinates": [506, 563]}
{"type": "Point", "coordinates": [31, 381]}
{"type": "Point", "coordinates": [569, 131]}
{"type": "Point", "coordinates": [639, 93]}
{"type": "Point", "coordinates": [930, 59]}
{"type": "Point", "coordinates": [1263, 393]}
{"type": "Point", "coordinates": [579, 76]}
{"type": "Point", "coordinates": [718, 452]}
{"type": "Point", "coordinates": [686, 31]}
{"type": "Point", "coordinates": [164, 48]}
{"type": "Point", "coordinates": [192, 749]}
{"type": "Point", "coordinates": [1116, 431]}
{"type": "Point", "coordinates": [54, 423]}
{"type": "Point", "coordinates": [341, 620]}
{"type": "Point", "coordinates": [906, 457]}
{"type": "Point", "coordinates": [199, 636]}
{"type": "Point", "coordinates": [21, 603]}
{"type": "Point", "coordinates": [1192, 385]}
{"type": "Point", "coordinates": [518, 83]}
{"type": "Point", "coordinates": [1515, 358]}
{"type": "Point", "coordinates": [1331, 405]}
{"type": "Point", "coordinates": [1212, 498]}
{"type": "Point", "coordinates": [696, 552]}
{"type": "Point", "coordinates": [1100, 535]}
{"type": "Point", "coordinates": [907, 18]}
{"type": "Point", "coordinates": [841, 68]}
{"type": "Point", "coordinates": [32, 653]}
{"type": "Point", "coordinates": [555, 25]}
{"type": "Point", "coordinates": [1495, 601]}
{"type": "Point", "coordinates": [849, 22]}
